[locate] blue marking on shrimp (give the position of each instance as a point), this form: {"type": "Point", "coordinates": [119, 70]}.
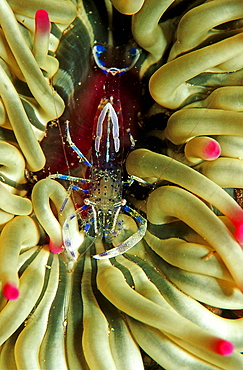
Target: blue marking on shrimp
{"type": "Point", "coordinates": [98, 50]}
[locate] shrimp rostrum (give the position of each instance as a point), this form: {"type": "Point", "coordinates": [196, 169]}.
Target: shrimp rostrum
{"type": "Point", "coordinates": [99, 215]}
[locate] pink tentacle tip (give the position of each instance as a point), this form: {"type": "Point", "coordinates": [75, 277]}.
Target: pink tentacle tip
{"type": "Point", "coordinates": [223, 347]}
{"type": "Point", "coordinates": [212, 150]}
{"type": "Point", "coordinates": [54, 248]}
{"type": "Point", "coordinates": [239, 233]}
{"type": "Point", "coordinates": [10, 291]}
{"type": "Point", "coordinates": [42, 21]}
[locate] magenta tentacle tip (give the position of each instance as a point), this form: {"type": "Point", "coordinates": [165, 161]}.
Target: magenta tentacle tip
{"type": "Point", "coordinates": [212, 150]}
{"type": "Point", "coordinates": [10, 291]}
{"type": "Point", "coordinates": [224, 347]}
{"type": "Point", "coordinates": [54, 248]}
{"type": "Point", "coordinates": [239, 233]}
{"type": "Point", "coordinates": [42, 21]}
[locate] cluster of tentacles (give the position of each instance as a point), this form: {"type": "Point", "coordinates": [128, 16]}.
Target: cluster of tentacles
{"type": "Point", "coordinates": [177, 295]}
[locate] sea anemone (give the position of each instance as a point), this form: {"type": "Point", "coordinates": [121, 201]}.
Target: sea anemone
{"type": "Point", "coordinates": [175, 296]}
